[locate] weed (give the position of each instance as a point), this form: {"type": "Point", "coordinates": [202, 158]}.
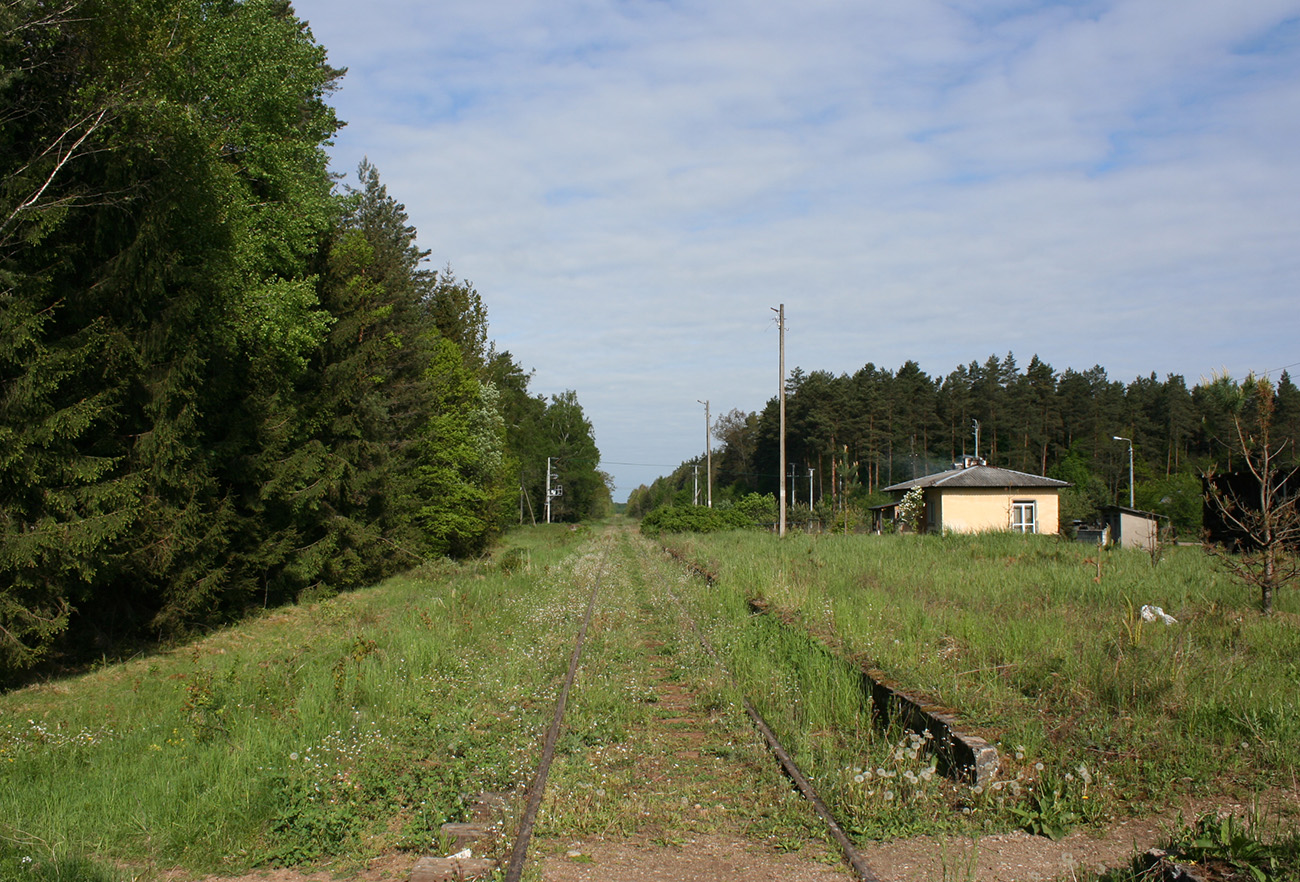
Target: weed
{"type": "Point", "coordinates": [205, 707]}
{"type": "Point", "coordinates": [1047, 810]}
{"type": "Point", "coordinates": [513, 560]}
{"type": "Point", "coordinates": [1222, 847]}
{"type": "Point", "coordinates": [361, 648]}
{"type": "Point", "coordinates": [960, 865]}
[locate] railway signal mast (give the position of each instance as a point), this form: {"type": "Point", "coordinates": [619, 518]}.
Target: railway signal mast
{"type": "Point", "coordinates": [551, 492]}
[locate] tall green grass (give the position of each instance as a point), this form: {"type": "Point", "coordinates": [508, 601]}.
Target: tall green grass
{"type": "Point", "coordinates": [336, 731]}
{"type": "Point", "coordinates": [333, 731]}
{"type": "Point", "coordinates": [1033, 650]}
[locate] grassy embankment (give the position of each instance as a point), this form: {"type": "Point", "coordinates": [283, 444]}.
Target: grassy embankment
{"type": "Point", "coordinates": [340, 730]}
{"type": "Point", "coordinates": [335, 732]}
{"type": "Point", "coordinates": [1096, 712]}
{"type": "Point", "coordinates": [332, 731]}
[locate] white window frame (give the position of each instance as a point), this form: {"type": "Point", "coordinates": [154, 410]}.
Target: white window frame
{"type": "Point", "coordinates": [1021, 507]}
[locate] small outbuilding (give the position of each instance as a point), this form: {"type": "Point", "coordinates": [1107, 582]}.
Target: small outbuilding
{"type": "Point", "coordinates": [974, 497]}
{"type": "Point", "coordinates": [1131, 527]}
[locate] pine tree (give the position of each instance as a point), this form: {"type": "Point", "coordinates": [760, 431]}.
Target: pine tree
{"type": "Point", "coordinates": [1287, 417]}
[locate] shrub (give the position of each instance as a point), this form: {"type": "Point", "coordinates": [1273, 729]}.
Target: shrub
{"type": "Point", "coordinates": [694, 519]}
{"type": "Point", "coordinates": [758, 508]}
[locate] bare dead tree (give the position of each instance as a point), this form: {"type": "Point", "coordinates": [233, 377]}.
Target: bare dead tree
{"type": "Point", "coordinates": [1261, 509]}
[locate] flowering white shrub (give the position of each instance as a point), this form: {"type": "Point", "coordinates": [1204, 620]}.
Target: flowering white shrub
{"type": "Point", "coordinates": [911, 510]}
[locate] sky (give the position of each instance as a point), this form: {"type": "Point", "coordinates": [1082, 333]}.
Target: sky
{"type": "Point", "coordinates": [634, 185]}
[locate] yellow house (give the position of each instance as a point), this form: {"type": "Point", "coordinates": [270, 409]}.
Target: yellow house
{"type": "Point", "coordinates": [972, 497]}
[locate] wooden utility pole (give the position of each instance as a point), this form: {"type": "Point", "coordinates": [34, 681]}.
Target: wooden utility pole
{"type": "Point", "coordinates": [781, 504]}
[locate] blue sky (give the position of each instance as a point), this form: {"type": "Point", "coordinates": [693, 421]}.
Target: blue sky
{"type": "Point", "coordinates": [633, 184]}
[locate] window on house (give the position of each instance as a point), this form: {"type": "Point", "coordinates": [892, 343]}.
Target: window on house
{"type": "Point", "coordinates": [1024, 516]}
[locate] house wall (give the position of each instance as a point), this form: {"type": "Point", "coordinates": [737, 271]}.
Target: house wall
{"type": "Point", "coordinates": [973, 510]}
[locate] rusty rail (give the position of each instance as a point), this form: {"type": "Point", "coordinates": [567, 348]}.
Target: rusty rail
{"type": "Point", "coordinates": [515, 868]}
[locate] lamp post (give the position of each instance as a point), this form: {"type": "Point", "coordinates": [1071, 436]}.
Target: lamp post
{"type": "Point", "coordinates": [1130, 467]}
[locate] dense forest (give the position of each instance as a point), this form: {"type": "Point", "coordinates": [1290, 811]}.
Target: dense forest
{"type": "Point", "coordinates": [227, 380]}
{"type": "Point", "coordinates": [859, 433]}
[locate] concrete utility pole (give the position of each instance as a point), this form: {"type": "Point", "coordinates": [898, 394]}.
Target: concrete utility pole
{"type": "Point", "coordinates": [695, 494]}
{"type": "Point", "coordinates": [780, 313]}
{"type": "Point", "coordinates": [810, 474]}
{"type": "Point", "coordinates": [1130, 468]}
{"type": "Point", "coordinates": [708, 454]}
{"type": "Point", "coordinates": [977, 438]}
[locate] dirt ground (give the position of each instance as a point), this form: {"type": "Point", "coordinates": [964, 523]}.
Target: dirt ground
{"type": "Point", "coordinates": [1011, 857]}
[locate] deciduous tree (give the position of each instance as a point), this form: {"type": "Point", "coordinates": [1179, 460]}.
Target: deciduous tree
{"type": "Point", "coordinates": [1260, 510]}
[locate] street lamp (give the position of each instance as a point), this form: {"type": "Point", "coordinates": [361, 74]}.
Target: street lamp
{"type": "Point", "coordinates": [1130, 467]}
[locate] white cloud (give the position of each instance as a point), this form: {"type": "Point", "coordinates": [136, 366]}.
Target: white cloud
{"type": "Point", "coordinates": [631, 185]}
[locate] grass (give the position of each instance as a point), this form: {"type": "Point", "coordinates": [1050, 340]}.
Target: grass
{"type": "Point", "coordinates": [1097, 712]}
{"type": "Point", "coordinates": [327, 734]}
{"type": "Point", "coordinates": [324, 733]}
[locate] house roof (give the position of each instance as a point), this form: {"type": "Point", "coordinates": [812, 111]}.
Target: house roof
{"type": "Point", "coordinates": [1137, 512]}
{"type": "Point", "coordinates": [982, 476]}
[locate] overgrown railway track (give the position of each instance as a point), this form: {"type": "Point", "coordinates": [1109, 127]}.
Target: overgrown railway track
{"type": "Point", "coordinates": [524, 834]}
{"type": "Point", "coordinates": [663, 608]}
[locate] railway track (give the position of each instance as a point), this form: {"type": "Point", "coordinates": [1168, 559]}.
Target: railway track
{"type": "Point", "coordinates": [678, 759]}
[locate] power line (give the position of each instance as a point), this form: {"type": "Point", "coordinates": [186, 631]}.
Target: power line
{"type": "Point", "coordinates": [1282, 368]}
{"type": "Point", "coordinates": [658, 465]}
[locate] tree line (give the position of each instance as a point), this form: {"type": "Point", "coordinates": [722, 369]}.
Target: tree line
{"type": "Point", "coordinates": [861, 432]}
{"type": "Point", "coordinates": [226, 380]}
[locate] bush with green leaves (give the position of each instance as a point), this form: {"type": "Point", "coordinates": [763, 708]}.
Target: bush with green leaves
{"type": "Point", "coordinates": [759, 508]}
{"type": "Point", "coordinates": [693, 519]}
